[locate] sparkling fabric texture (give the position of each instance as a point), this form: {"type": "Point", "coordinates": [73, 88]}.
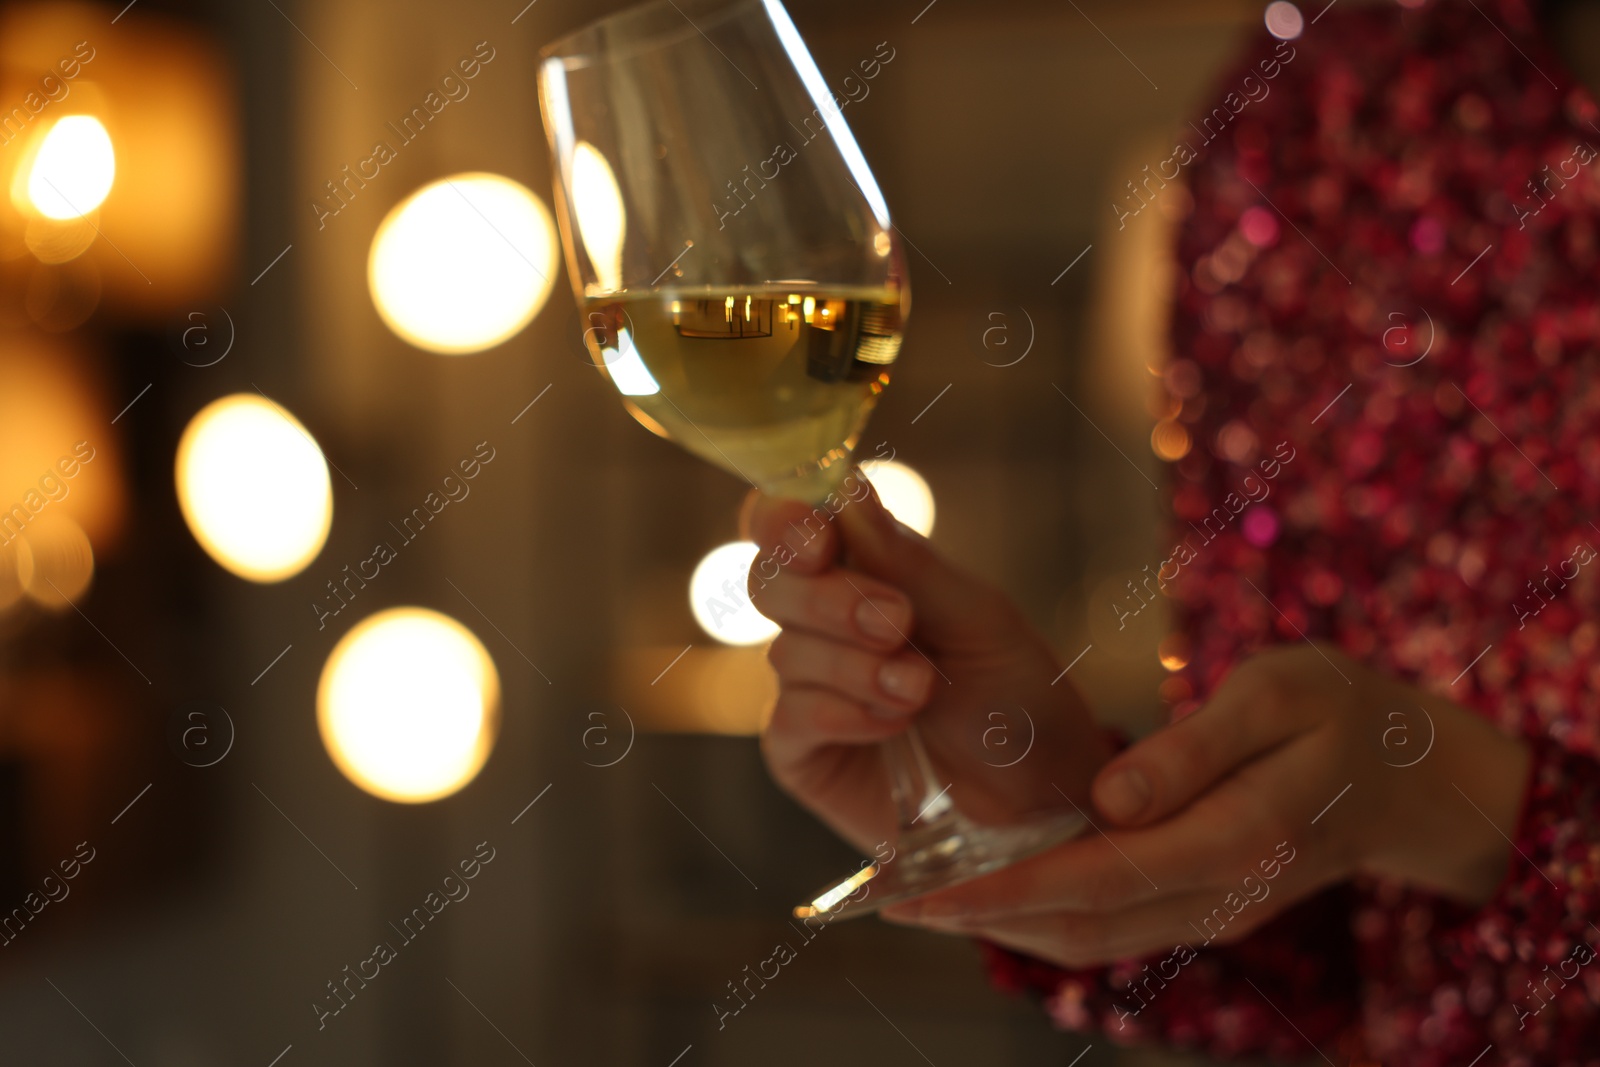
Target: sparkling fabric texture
{"type": "Point", "coordinates": [1389, 266]}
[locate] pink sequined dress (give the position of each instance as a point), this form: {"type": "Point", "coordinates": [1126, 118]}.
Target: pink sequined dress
{"type": "Point", "coordinates": [1390, 269]}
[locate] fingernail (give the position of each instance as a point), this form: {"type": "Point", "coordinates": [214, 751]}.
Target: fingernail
{"type": "Point", "coordinates": [877, 618]}
{"type": "Point", "coordinates": [1124, 795]}
{"type": "Point", "coordinates": [904, 679]}
{"type": "Point", "coordinates": [811, 551]}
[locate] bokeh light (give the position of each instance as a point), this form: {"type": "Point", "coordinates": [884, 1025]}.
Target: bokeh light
{"type": "Point", "coordinates": [463, 263]}
{"type": "Point", "coordinates": [409, 705]}
{"type": "Point", "coordinates": [10, 579]}
{"type": "Point", "coordinates": [1174, 652]}
{"type": "Point", "coordinates": [718, 597]}
{"type": "Point", "coordinates": [54, 561]}
{"type": "Point", "coordinates": [254, 488]}
{"type": "Point", "coordinates": [56, 441]}
{"type": "Point", "coordinates": [1170, 440]}
{"type": "Point", "coordinates": [903, 491]}
{"type": "Point", "coordinates": [1284, 20]}
{"type": "Point", "coordinates": [72, 169]}
{"type": "Point", "coordinates": [58, 240]}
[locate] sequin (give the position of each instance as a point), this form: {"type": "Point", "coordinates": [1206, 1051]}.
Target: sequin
{"type": "Point", "coordinates": [1260, 526]}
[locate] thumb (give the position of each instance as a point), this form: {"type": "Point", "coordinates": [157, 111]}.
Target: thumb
{"type": "Point", "coordinates": [1178, 763]}
{"type": "Point", "coordinates": [789, 534]}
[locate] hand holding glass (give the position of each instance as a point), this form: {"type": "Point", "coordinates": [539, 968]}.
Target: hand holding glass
{"type": "Point", "coordinates": [745, 292]}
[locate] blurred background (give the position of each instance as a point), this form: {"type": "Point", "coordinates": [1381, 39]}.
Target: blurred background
{"type": "Point", "coordinates": [219, 404]}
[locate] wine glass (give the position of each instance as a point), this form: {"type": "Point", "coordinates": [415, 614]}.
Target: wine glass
{"type": "Point", "coordinates": [745, 292]}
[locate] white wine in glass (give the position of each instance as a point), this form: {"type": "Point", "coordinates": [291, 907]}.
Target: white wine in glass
{"type": "Point", "coordinates": [745, 292]}
{"type": "Point", "coordinates": [774, 386]}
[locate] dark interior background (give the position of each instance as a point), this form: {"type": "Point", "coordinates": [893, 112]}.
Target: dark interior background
{"type": "Point", "coordinates": [620, 905]}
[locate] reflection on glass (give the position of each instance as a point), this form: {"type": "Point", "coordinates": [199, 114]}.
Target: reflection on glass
{"type": "Point", "coordinates": [463, 264]}
{"type": "Point", "coordinates": [597, 202]}
{"type": "Point", "coordinates": [408, 705]}
{"type": "Point", "coordinates": [822, 100]}
{"type": "Point", "coordinates": [834, 896]}
{"type": "Point", "coordinates": [628, 372]}
{"type": "Point", "coordinates": [254, 488]}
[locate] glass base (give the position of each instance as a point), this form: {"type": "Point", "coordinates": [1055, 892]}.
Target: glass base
{"type": "Point", "coordinates": [952, 851]}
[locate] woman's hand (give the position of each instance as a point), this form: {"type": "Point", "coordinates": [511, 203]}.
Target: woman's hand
{"type": "Point", "coordinates": [1304, 769]}
{"type": "Point", "coordinates": [898, 633]}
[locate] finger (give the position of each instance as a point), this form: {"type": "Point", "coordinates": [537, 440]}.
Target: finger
{"type": "Point", "coordinates": [1179, 925]}
{"type": "Point", "coordinates": [839, 605]}
{"type": "Point", "coordinates": [805, 718]}
{"type": "Point", "coordinates": [1173, 766]}
{"type": "Point", "coordinates": [789, 534]}
{"type": "Point", "coordinates": [890, 686]}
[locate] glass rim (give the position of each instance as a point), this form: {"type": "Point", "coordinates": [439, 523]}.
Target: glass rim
{"type": "Point", "coordinates": [580, 48]}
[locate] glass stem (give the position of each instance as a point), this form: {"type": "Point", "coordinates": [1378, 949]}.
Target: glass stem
{"type": "Point", "coordinates": [921, 802]}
